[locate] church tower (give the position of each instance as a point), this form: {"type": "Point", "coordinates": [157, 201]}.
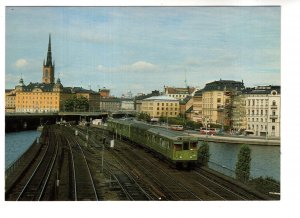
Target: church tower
{"type": "Point", "coordinates": [48, 67]}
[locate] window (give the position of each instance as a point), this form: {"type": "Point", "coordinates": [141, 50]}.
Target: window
{"type": "Point", "coordinates": [273, 128]}
{"type": "Point", "coordinates": [219, 100]}
{"type": "Point", "coordinates": [274, 103]}
{"type": "Point", "coordinates": [262, 112]}
{"type": "Point", "coordinates": [273, 120]}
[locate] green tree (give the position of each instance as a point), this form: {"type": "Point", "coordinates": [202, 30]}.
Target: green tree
{"type": "Point", "coordinates": [242, 170]}
{"type": "Point", "coordinates": [76, 104]}
{"type": "Point", "coordinates": [144, 116]}
{"type": "Point", "coordinates": [204, 154]}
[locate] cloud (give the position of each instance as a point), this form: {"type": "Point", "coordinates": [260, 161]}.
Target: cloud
{"type": "Point", "coordinates": [142, 66]}
{"type": "Point", "coordinates": [21, 63]}
{"type": "Point", "coordinates": [137, 67]}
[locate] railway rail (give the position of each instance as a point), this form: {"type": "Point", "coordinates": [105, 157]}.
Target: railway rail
{"type": "Point", "coordinates": [84, 187]}
{"type": "Point", "coordinates": [215, 188]}
{"type": "Point", "coordinates": [32, 183]}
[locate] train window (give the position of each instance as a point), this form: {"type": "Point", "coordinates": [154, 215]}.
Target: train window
{"type": "Point", "coordinates": [185, 146]}
{"type": "Point", "coordinates": [177, 147]}
{"type": "Point", "coordinates": [193, 146]}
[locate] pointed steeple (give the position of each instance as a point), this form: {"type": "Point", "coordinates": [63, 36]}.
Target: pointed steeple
{"type": "Point", "coordinates": [49, 55]}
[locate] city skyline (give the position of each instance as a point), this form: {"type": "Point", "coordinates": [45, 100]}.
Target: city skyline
{"type": "Point", "coordinates": [140, 49]}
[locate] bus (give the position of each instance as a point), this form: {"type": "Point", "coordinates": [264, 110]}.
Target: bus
{"type": "Point", "coordinates": [208, 131]}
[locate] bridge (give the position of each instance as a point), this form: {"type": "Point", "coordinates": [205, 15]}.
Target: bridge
{"type": "Point", "coordinates": [26, 120]}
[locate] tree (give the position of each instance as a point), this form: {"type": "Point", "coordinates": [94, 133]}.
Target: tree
{"type": "Point", "coordinates": [144, 116]}
{"type": "Point", "coordinates": [204, 154]}
{"type": "Point", "coordinates": [76, 104]}
{"type": "Point", "coordinates": [242, 170]}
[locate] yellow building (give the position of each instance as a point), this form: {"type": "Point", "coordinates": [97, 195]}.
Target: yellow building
{"type": "Point", "coordinates": [217, 101]}
{"type": "Point", "coordinates": [158, 106]}
{"type": "Point", "coordinates": [40, 97]}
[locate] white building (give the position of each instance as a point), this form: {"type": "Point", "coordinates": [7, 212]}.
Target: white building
{"type": "Point", "coordinates": [127, 104]}
{"type": "Point", "coordinates": [263, 111]}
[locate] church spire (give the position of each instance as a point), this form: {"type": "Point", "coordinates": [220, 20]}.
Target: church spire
{"type": "Point", "coordinates": [48, 66]}
{"type": "Point", "coordinates": [49, 55]}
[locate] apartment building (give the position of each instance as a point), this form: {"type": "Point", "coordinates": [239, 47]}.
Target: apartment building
{"type": "Point", "coordinates": [217, 100]}
{"type": "Point", "coordinates": [263, 111]}
{"type": "Point", "coordinates": [158, 106]}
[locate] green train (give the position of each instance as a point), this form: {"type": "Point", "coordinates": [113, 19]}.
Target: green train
{"type": "Point", "coordinates": [176, 147]}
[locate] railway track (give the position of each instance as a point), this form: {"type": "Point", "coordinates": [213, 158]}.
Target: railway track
{"type": "Point", "coordinates": [83, 188]}
{"type": "Point", "coordinates": [215, 188]}
{"type": "Point", "coordinates": [32, 183]}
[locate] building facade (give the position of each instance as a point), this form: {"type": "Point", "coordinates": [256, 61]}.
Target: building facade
{"type": "Point", "coordinates": [197, 112]}
{"type": "Point", "coordinates": [110, 104]}
{"type": "Point", "coordinates": [10, 100]}
{"type": "Point", "coordinates": [160, 106]}
{"type": "Point", "coordinates": [217, 100]}
{"type": "Point", "coordinates": [179, 93]}
{"type": "Point", "coordinates": [239, 119]}
{"type": "Point", "coordinates": [263, 111]}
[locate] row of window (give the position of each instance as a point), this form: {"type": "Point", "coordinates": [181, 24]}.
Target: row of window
{"type": "Point", "coordinates": [261, 127]}
{"type": "Point", "coordinates": [37, 97]}
{"type": "Point", "coordinates": [163, 114]}
{"type": "Point", "coordinates": [44, 93]}
{"type": "Point", "coordinates": [37, 102]}
{"type": "Point", "coordinates": [167, 104]}
{"type": "Point", "coordinates": [178, 96]}
{"type": "Point", "coordinates": [252, 102]}
{"type": "Point", "coordinates": [261, 120]}
{"type": "Point", "coordinates": [261, 112]}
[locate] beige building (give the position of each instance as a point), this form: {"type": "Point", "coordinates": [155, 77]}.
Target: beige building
{"type": "Point", "coordinates": [197, 112]}
{"type": "Point", "coordinates": [217, 101]}
{"type": "Point", "coordinates": [239, 120]}
{"type": "Point", "coordinates": [110, 104]}
{"type": "Point", "coordinates": [263, 111]}
{"type": "Point", "coordinates": [10, 100]}
{"type": "Point", "coordinates": [158, 106]}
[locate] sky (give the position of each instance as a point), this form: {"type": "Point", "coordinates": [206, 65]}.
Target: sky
{"type": "Point", "coordinates": [140, 49]}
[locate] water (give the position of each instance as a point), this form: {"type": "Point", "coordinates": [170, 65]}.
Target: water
{"type": "Point", "coordinates": [17, 143]}
{"type": "Point", "coordinates": [265, 160]}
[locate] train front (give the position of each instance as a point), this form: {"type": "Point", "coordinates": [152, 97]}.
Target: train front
{"type": "Point", "coordinates": [185, 151]}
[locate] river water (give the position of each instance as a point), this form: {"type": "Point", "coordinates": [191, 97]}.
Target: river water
{"type": "Point", "coordinates": [17, 143]}
{"type": "Point", "coordinates": [265, 160]}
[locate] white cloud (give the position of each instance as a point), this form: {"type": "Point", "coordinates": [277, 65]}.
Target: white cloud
{"type": "Point", "coordinates": [137, 67]}
{"type": "Point", "coordinates": [21, 63]}
{"type": "Point", "coordinates": [142, 66]}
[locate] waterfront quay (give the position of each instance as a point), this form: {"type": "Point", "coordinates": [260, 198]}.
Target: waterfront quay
{"type": "Point", "coordinates": [79, 163]}
{"type": "Point", "coordinates": [249, 140]}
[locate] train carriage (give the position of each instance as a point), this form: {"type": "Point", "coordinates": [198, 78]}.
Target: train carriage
{"type": "Point", "coordinates": [177, 147]}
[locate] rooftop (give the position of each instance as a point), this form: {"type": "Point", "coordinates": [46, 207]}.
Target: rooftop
{"type": "Point", "coordinates": [161, 98]}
